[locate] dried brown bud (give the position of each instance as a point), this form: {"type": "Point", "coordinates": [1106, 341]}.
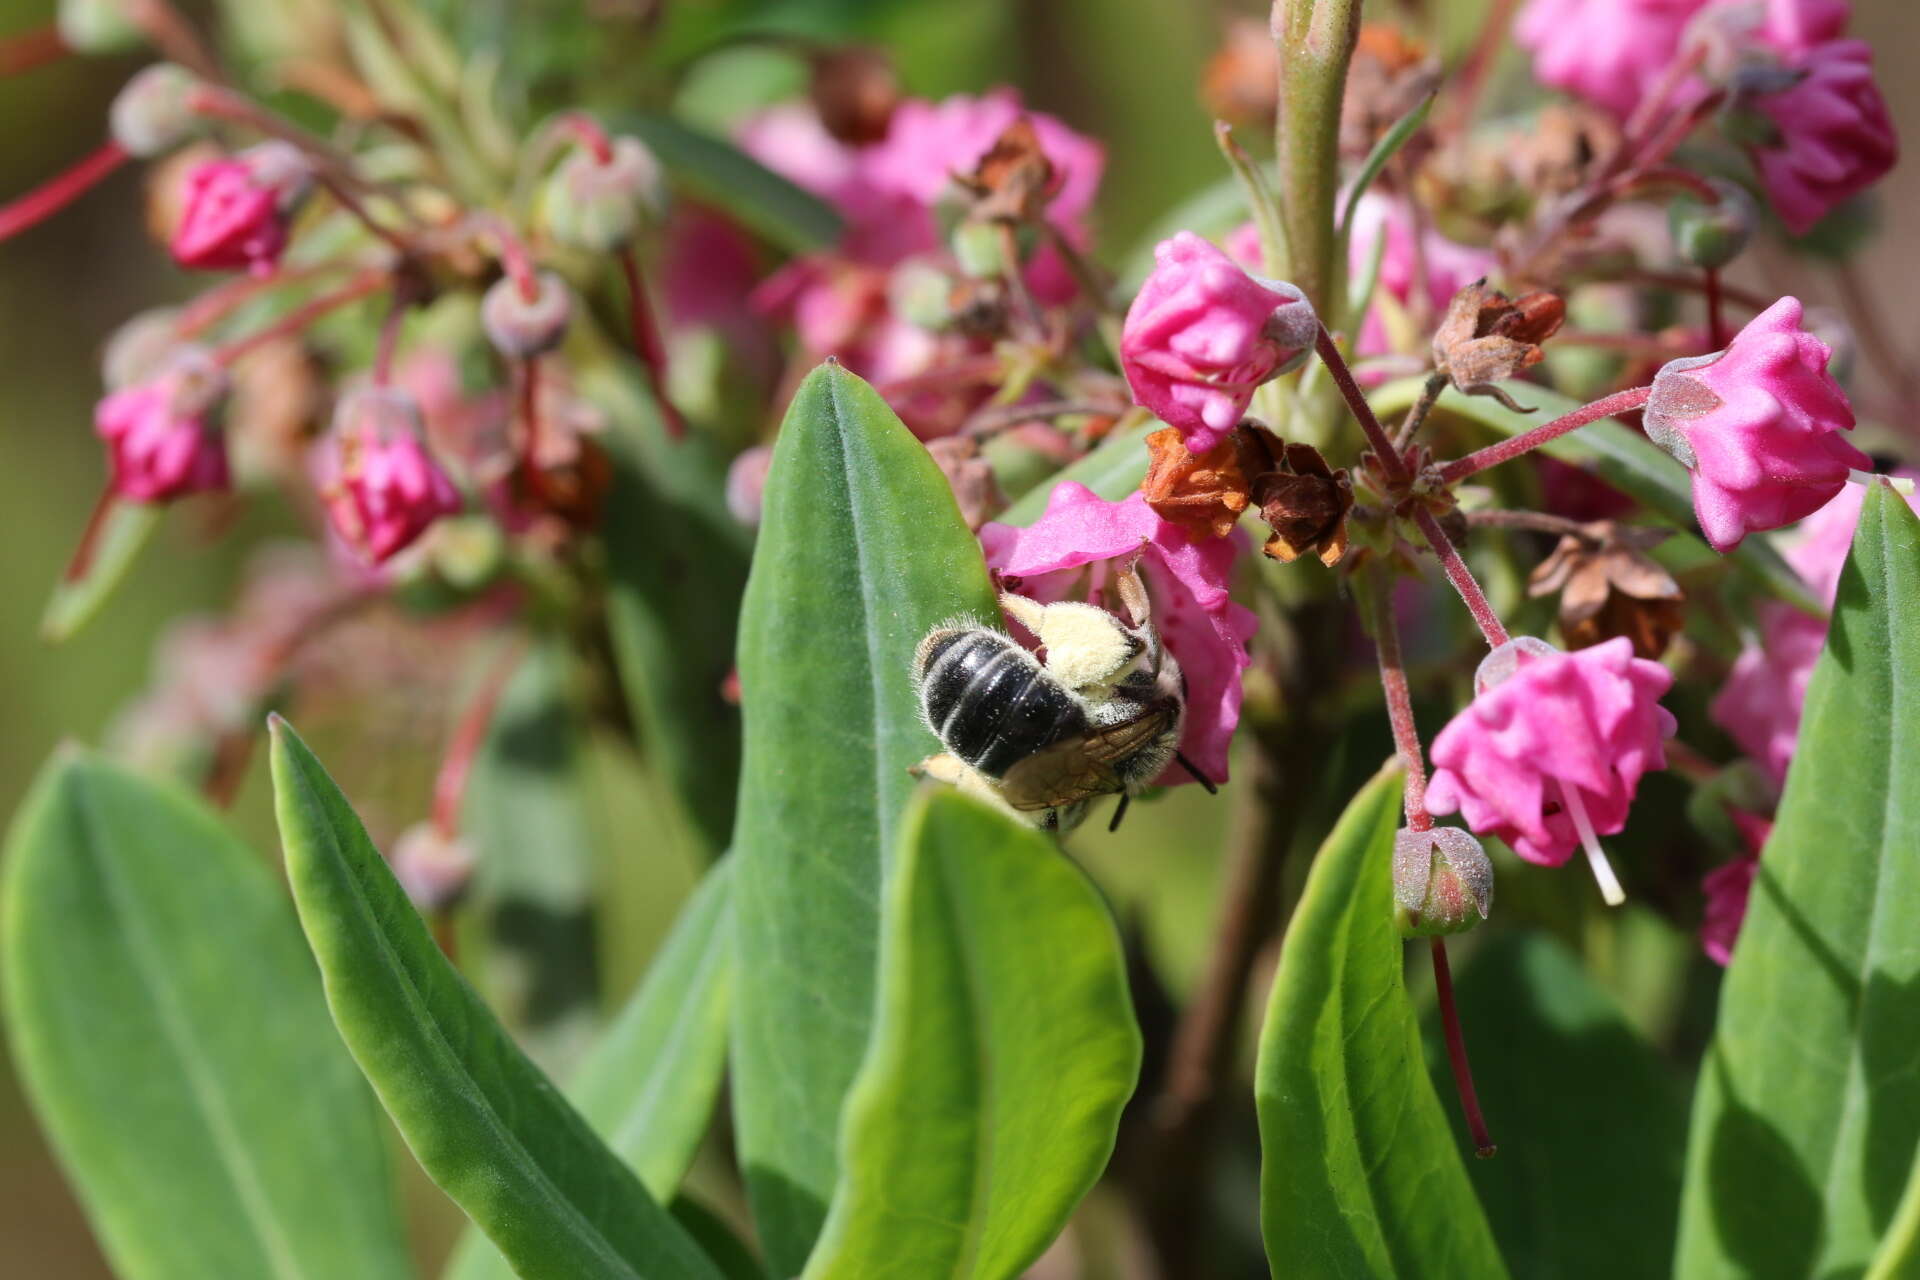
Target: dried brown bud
{"type": "Point", "coordinates": [855, 91]}
{"type": "Point", "coordinates": [1303, 499]}
{"type": "Point", "coordinates": [1610, 587]}
{"type": "Point", "coordinates": [1241, 84]}
{"type": "Point", "coordinates": [970, 477]}
{"type": "Point", "coordinates": [1389, 75]}
{"type": "Point", "coordinates": [1203, 495]}
{"type": "Point", "coordinates": [1014, 180]}
{"type": "Point", "coordinates": [1488, 337]}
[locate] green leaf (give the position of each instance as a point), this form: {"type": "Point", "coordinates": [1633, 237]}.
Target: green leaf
{"type": "Point", "coordinates": [989, 1098]}
{"type": "Point", "coordinates": [124, 531]}
{"type": "Point", "coordinates": [1808, 1112]}
{"type": "Point", "coordinates": [788, 215]}
{"type": "Point", "coordinates": [677, 565]}
{"type": "Point", "coordinates": [170, 1032]}
{"type": "Point", "coordinates": [1899, 1255]}
{"type": "Point", "coordinates": [1622, 457]}
{"type": "Point", "coordinates": [650, 1084]}
{"type": "Point", "coordinates": [482, 1120]}
{"type": "Point", "coordinates": [1592, 1124]}
{"type": "Point", "coordinates": [1383, 150]}
{"type": "Point", "coordinates": [1360, 1174]}
{"type": "Point", "coordinates": [861, 552]}
{"type": "Point", "coordinates": [1113, 470]}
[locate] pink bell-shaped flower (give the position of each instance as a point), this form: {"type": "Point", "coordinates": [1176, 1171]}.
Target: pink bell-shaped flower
{"type": "Point", "coordinates": [160, 442]}
{"type": "Point", "coordinates": [381, 486]}
{"type": "Point", "coordinates": [1610, 52]}
{"type": "Point", "coordinates": [1202, 334]}
{"type": "Point", "coordinates": [1758, 425]}
{"type": "Point", "coordinates": [1824, 134]}
{"type": "Point", "coordinates": [1072, 545]}
{"type": "Point", "coordinates": [1549, 753]}
{"type": "Point", "coordinates": [238, 209]}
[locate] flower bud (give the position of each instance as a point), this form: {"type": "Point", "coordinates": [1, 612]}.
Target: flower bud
{"type": "Point", "coordinates": [96, 26]}
{"type": "Point", "coordinates": [381, 485]}
{"type": "Point", "coordinates": [160, 440]}
{"type": "Point", "coordinates": [238, 210]}
{"type": "Point", "coordinates": [747, 483]}
{"type": "Point", "coordinates": [921, 294]}
{"type": "Point", "coordinates": [1442, 882]}
{"type": "Point", "coordinates": [597, 204]}
{"type": "Point", "coordinates": [153, 113]}
{"type": "Point", "coordinates": [976, 246]}
{"type": "Point", "coordinates": [520, 328]}
{"type": "Point", "coordinates": [1712, 235]}
{"type": "Point", "coordinates": [435, 870]}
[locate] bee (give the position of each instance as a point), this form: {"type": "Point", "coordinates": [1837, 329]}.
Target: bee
{"type": "Point", "coordinates": [1101, 715]}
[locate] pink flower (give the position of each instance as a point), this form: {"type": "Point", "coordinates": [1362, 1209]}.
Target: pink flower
{"type": "Point", "coordinates": [928, 142]}
{"type": "Point", "coordinates": [1202, 628]}
{"type": "Point", "coordinates": [237, 210]}
{"type": "Point", "coordinates": [1729, 887]}
{"type": "Point", "coordinates": [1831, 135]}
{"type": "Point", "coordinates": [1758, 425]}
{"type": "Point", "coordinates": [1450, 266]}
{"type": "Point", "coordinates": [160, 444]}
{"type": "Point", "coordinates": [1202, 334]}
{"type": "Point", "coordinates": [1795, 26]}
{"type": "Point", "coordinates": [1557, 745]}
{"type": "Point", "coordinates": [382, 488]}
{"type": "Point", "coordinates": [1611, 52]}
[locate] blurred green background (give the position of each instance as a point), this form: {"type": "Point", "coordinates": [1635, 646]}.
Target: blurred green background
{"type": "Point", "coordinates": [1123, 70]}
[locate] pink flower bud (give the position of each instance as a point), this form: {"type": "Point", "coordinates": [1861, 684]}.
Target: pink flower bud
{"type": "Point", "coordinates": [152, 114]}
{"type": "Point", "coordinates": [1825, 136]}
{"type": "Point", "coordinates": [434, 869]}
{"type": "Point", "coordinates": [520, 327]}
{"type": "Point", "coordinates": [1610, 52]}
{"type": "Point", "coordinates": [747, 483]}
{"type": "Point", "coordinates": [381, 486]}
{"type": "Point", "coordinates": [1442, 882]}
{"type": "Point", "coordinates": [1549, 757]}
{"type": "Point", "coordinates": [1758, 425]}
{"type": "Point", "coordinates": [159, 441]}
{"type": "Point", "coordinates": [1202, 334]}
{"type": "Point", "coordinates": [597, 203]}
{"type": "Point", "coordinates": [237, 210]}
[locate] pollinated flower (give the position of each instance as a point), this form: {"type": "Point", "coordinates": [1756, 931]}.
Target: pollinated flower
{"type": "Point", "coordinates": [1609, 586]}
{"type": "Point", "coordinates": [161, 442]}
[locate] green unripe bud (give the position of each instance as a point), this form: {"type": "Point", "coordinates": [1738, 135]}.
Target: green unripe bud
{"type": "Point", "coordinates": [598, 204]}
{"type": "Point", "coordinates": [1442, 882]}
{"type": "Point", "coordinates": [1712, 235]}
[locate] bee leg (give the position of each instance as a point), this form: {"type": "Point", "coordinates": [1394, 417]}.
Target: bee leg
{"type": "Point", "coordinates": [1133, 594]}
{"type": "Point", "coordinates": [1194, 772]}
{"type": "Point", "coordinates": [1120, 811]}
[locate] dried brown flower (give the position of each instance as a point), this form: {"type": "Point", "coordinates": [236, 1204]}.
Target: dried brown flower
{"type": "Point", "coordinates": [1014, 180]}
{"type": "Point", "coordinates": [1609, 586]}
{"type": "Point", "coordinates": [1203, 495]}
{"type": "Point", "coordinates": [855, 91]}
{"type": "Point", "coordinates": [1303, 499]}
{"type": "Point", "coordinates": [1389, 75]}
{"type": "Point", "coordinates": [1241, 84]}
{"type": "Point", "coordinates": [1487, 337]}
{"type": "Point", "coordinates": [970, 477]}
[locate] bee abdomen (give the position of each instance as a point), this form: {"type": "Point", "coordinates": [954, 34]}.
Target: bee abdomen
{"type": "Point", "coordinates": [990, 703]}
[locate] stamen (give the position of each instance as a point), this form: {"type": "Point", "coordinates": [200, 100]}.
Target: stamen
{"type": "Point", "coordinates": [1596, 856]}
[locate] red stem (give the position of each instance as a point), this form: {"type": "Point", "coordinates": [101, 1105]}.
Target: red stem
{"type": "Point", "coordinates": [55, 194]}
{"type": "Point", "coordinates": [1527, 441]}
{"type": "Point", "coordinates": [389, 340]}
{"type": "Point", "coordinates": [34, 47]}
{"type": "Point", "coordinates": [302, 317]}
{"type": "Point", "coordinates": [1462, 578]}
{"type": "Point", "coordinates": [1457, 1051]}
{"type": "Point", "coordinates": [1716, 318]}
{"type": "Point", "coordinates": [591, 135]}
{"type": "Point", "coordinates": [90, 536]}
{"type": "Point", "coordinates": [647, 344]}
{"type": "Point", "coordinates": [1382, 444]}
{"type": "Point", "coordinates": [1393, 678]}
{"type": "Point", "coordinates": [450, 784]}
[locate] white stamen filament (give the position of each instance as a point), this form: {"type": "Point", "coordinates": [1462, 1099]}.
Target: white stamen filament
{"type": "Point", "coordinates": [1596, 856]}
{"type": "Point", "coordinates": [1900, 484]}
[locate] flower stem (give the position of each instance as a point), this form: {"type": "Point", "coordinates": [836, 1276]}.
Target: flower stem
{"type": "Point", "coordinates": [1462, 578]}
{"type": "Point", "coordinates": [1382, 444]}
{"type": "Point", "coordinates": [1316, 39]}
{"type": "Point", "coordinates": [450, 784]}
{"type": "Point", "coordinates": [1507, 450]}
{"type": "Point", "coordinates": [647, 345]}
{"type": "Point", "coordinates": [55, 194]}
{"type": "Point", "coordinates": [303, 317]}
{"type": "Point", "coordinates": [1417, 415]}
{"type": "Point", "coordinates": [34, 47]}
{"type": "Point", "coordinates": [1534, 521]}
{"type": "Point", "coordinates": [1457, 1051]}
{"type": "Point", "coordinates": [1393, 678]}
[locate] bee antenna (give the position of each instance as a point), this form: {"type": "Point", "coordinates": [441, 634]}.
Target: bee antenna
{"type": "Point", "coordinates": [1199, 777]}
{"type": "Point", "coordinates": [1120, 811]}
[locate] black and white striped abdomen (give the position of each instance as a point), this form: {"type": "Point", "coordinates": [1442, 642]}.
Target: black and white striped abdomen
{"type": "Point", "coordinates": [989, 701]}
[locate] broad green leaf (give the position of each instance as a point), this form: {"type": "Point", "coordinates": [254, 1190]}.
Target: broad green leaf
{"type": "Point", "coordinates": [716, 170]}
{"type": "Point", "coordinates": [1899, 1255]}
{"type": "Point", "coordinates": [650, 1084]}
{"type": "Point", "coordinates": [170, 1031]}
{"type": "Point", "coordinates": [482, 1120]}
{"type": "Point", "coordinates": [1360, 1173]}
{"type": "Point", "coordinates": [1622, 457]}
{"type": "Point", "coordinates": [1004, 1048]}
{"type": "Point", "coordinates": [676, 567]}
{"type": "Point", "coordinates": [1113, 470]}
{"type": "Point", "coordinates": [1592, 1124]}
{"type": "Point", "coordinates": [531, 898]}
{"type": "Point", "coordinates": [1808, 1111]}
{"type": "Point", "coordinates": [125, 528]}
{"type": "Point", "coordinates": [861, 552]}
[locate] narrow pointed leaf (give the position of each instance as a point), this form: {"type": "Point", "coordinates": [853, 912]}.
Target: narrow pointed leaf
{"type": "Point", "coordinates": [170, 1031]}
{"type": "Point", "coordinates": [482, 1120]}
{"type": "Point", "coordinates": [861, 552]}
{"type": "Point", "coordinates": [1592, 1123]}
{"type": "Point", "coordinates": [1808, 1111]}
{"type": "Point", "coordinates": [1360, 1174]}
{"type": "Point", "coordinates": [990, 1096]}
{"type": "Point", "coordinates": [650, 1084]}
{"type": "Point", "coordinates": [124, 532]}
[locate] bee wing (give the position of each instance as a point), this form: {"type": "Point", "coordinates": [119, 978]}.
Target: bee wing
{"type": "Point", "coordinates": [1080, 767]}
